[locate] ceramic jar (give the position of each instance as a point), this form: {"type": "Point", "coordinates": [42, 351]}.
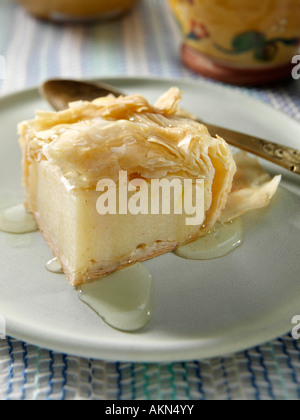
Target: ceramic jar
{"type": "Point", "coordinates": [68, 10]}
{"type": "Point", "coordinates": [239, 41]}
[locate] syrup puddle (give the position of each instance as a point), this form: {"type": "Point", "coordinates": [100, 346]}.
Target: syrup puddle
{"type": "Point", "coordinates": [54, 266]}
{"type": "Point", "coordinates": [124, 299]}
{"type": "Point", "coordinates": [221, 241]}
{"type": "Point", "coordinates": [17, 220]}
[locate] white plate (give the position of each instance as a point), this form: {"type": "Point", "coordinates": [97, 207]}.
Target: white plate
{"type": "Point", "coordinates": [202, 309]}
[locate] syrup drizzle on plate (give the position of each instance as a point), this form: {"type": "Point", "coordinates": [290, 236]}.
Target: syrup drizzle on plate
{"type": "Point", "coordinates": [17, 220]}
{"type": "Point", "coordinates": [54, 266]}
{"type": "Point", "coordinates": [124, 299]}
{"type": "Point", "coordinates": [221, 241]}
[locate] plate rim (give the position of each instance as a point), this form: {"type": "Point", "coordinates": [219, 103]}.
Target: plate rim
{"type": "Point", "coordinates": [214, 348]}
{"type": "Point", "coordinates": [37, 337]}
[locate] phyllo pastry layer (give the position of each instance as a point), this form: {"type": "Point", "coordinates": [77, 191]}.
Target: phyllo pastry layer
{"type": "Point", "coordinates": [66, 154]}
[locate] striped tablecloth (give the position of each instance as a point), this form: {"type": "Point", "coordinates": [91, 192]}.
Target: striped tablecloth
{"type": "Point", "coordinates": [145, 42]}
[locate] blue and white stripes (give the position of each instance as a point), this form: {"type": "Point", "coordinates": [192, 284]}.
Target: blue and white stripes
{"type": "Point", "coordinates": [145, 42]}
{"type": "Point", "coordinates": [269, 372]}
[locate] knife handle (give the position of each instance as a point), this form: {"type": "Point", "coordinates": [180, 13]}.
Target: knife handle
{"type": "Point", "coordinates": [284, 156]}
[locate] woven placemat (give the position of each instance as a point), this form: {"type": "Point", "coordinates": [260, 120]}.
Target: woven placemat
{"type": "Point", "coordinates": [269, 372]}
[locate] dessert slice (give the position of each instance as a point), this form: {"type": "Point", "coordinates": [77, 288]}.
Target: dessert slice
{"type": "Point", "coordinates": [69, 154]}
